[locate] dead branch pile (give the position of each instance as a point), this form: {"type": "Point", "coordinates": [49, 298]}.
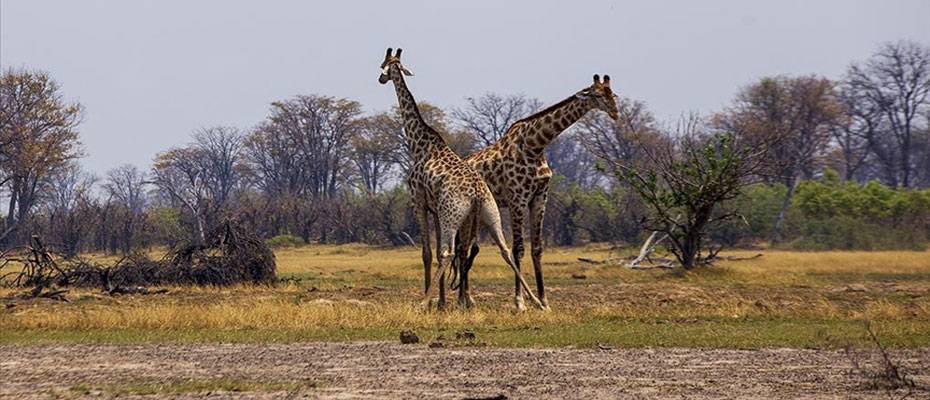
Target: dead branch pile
{"type": "Point", "coordinates": [229, 256]}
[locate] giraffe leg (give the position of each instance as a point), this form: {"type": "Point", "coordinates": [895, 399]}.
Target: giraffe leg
{"type": "Point", "coordinates": [517, 222]}
{"type": "Point", "coordinates": [492, 220]}
{"type": "Point", "coordinates": [537, 215]}
{"type": "Point", "coordinates": [447, 242]}
{"type": "Point", "coordinates": [427, 254]}
{"type": "Point", "coordinates": [468, 239]}
{"type": "Point", "coordinates": [442, 276]}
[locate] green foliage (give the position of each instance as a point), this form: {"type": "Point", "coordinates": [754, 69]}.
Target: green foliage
{"type": "Point", "coordinates": [685, 186]}
{"type": "Point", "coordinates": [827, 214]}
{"type": "Point", "coordinates": [280, 241]}
{"type": "Point", "coordinates": [849, 233]}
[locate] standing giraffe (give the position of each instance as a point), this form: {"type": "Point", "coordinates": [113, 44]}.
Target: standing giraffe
{"type": "Point", "coordinates": [516, 171]}
{"type": "Point", "coordinates": [443, 184]}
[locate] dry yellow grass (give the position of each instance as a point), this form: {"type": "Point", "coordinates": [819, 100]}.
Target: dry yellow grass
{"type": "Point", "coordinates": [356, 291]}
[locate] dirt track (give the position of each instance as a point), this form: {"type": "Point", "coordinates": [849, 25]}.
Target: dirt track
{"type": "Point", "coordinates": [389, 370]}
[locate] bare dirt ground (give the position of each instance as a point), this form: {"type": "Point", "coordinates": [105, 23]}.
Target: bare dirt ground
{"type": "Point", "coordinates": [391, 370]}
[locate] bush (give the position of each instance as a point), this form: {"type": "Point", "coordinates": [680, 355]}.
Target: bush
{"type": "Point", "coordinates": [285, 241]}
{"type": "Point", "coordinates": [848, 233]}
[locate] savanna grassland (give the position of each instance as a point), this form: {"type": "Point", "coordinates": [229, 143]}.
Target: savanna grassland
{"type": "Point", "coordinates": [357, 292]}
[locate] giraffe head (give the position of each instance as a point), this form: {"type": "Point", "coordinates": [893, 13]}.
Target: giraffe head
{"type": "Point", "coordinates": [600, 96]}
{"type": "Point", "coordinates": [391, 62]}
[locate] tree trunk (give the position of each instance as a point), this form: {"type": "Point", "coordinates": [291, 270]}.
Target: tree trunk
{"type": "Point", "coordinates": [780, 219]}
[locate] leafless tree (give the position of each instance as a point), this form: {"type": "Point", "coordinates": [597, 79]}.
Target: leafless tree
{"type": "Point", "coordinates": [568, 156]}
{"type": "Point", "coordinates": [896, 82]}
{"type": "Point", "coordinates": [221, 151]}
{"type": "Point", "coordinates": [372, 153]}
{"type": "Point", "coordinates": [125, 186]}
{"type": "Point", "coordinates": [303, 146]}
{"type": "Point", "coordinates": [70, 208]}
{"type": "Point", "coordinates": [622, 141]}
{"type": "Point", "coordinates": [798, 112]}
{"type": "Point", "coordinates": [38, 137]}
{"type": "Point", "coordinates": [201, 176]}
{"type": "Point", "coordinates": [851, 131]}
{"type": "Point", "coordinates": [488, 117]}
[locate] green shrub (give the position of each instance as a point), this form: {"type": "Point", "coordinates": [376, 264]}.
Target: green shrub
{"type": "Point", "coordinates": [285, 241]}
{"type": "Point", "coordinates": [847, 233]}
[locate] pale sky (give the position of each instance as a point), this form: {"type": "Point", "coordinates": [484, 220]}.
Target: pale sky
{"type": "Point", "coordinates": [150, 72]}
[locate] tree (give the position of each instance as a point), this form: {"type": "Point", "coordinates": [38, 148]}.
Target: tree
{"type": "Point", "coordinates": [70, 208]}
{"type": "Point", "coordinates": [623, 141]}
{"type": "Point", "coordinates": [201, 176]}
{"type": "Point", "coordinates": [895, 81]}
{"type": "Point", "coordinates": [797, 112]}
{"type": "Point", "coordinates": [851, 131]}
{"type": "Point", "coordinates": [488, 117]}
{"type": "Point", "coordinates": [303, 146]}
{"type": "Point", "coordinates": [125, 186]}
{"type": "Point", "coordinates": [38, 137]}
{"type": "Point", "coordinates": [372, 153]}
{"type": "Point", "coordinates": [686, 181]}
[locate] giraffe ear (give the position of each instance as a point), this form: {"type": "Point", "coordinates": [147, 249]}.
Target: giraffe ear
{"type": "Point", "coordinates": [405, 71]}
{"type": "Point", "coordinates": [597, 79]}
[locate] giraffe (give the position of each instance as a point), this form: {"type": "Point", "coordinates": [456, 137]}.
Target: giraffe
{"type": "Point", "coordinates": [442, 183]}
{"type": "Point", "coordinates": [516, 171]}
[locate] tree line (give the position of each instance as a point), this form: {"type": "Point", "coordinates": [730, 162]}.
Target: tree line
{"type": "Point", "coordinates": [321, 169]}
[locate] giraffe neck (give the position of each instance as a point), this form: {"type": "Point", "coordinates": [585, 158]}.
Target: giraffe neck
{"type": "Point", "coordinates": [546, 126]}
{"type": "Point", "coordinates": [420, 136]}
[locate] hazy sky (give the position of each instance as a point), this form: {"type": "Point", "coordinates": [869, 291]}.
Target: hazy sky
{"type": "Point", "coordinates": [149, 72]}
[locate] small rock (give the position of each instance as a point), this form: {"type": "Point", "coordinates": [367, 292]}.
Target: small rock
{"type": "Point", "coordinates": [436, 344]}
{"type": "Point", "coordinates": [466, 335]}
{"type": "Point", "coordinates": [579, 275]}
{"type": "Point", "coordinates": [408, 337]}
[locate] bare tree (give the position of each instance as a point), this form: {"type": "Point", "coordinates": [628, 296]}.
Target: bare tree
{"type": "Point", "coordinates": [38, 136]}
{"type": "Point", "coordinates": [221, 151]}
{"type": "Point", "coordinates": [69, 207]}
{"type": "Point", "coordinates": [303, 146]}
{"type": "Point", "coordinates": [799, 112]}
{"type": "Point", "coordinates": [852, 130]}
{"type": "Point", "coordinates": [201, 176]}
{"type": "Point", "coordinates": [896, 82]}
{"type": "Point", "coordinates": [622, 141]}
{"type": "Point", "coordinates": [373, 148]}
{"type": "Point", "coordinates": [567, 155]}
{"type": "Point", "coordinates": [125, 186]}
{"type": "Point", "coordinates": [488, 117]}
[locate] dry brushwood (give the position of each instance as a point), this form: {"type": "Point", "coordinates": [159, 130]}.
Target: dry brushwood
{"type": "Point", "coordinates": [887, 375]}
{"type": "Point", "coordinates": [231, 255]}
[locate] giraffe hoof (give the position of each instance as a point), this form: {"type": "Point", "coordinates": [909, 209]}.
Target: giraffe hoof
{"type": "Point", "coordinates": [466, 303]}
{"type": "Point", "coordinates": [426, 305]}
{"type": "Point", "coordinates": [518, 302]}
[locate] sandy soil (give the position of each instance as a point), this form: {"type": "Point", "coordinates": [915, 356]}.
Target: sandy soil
{"type": "Point", "coordinates": [393, 370]}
